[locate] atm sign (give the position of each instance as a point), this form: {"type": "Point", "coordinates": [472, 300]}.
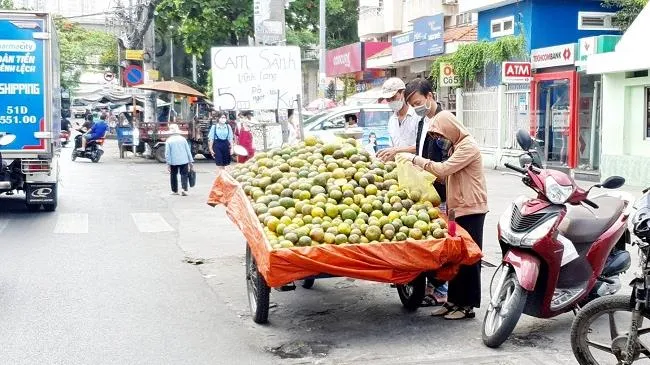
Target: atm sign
{"type": "Point", "coordinates": [516, 72]}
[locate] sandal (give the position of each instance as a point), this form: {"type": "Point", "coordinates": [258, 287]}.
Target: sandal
{"type": "Point", "coordinates": [460, 313]}
{"type": "Point", "coordinates": [444, 310]}
{"type": "Point", "coordinates": [430, 301]}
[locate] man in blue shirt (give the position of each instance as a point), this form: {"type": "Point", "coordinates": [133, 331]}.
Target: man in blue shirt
{"type": "Point", "coordinates": [97, 131]}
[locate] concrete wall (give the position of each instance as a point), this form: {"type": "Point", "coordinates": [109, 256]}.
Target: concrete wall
{"type": "Point", "coordinates": [624, 146]}
{"type": "Point", "coordinates": [309, 81]}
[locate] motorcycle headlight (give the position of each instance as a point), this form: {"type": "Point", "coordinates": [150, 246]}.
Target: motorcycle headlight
{"type": "Point", "coordinates": [527, 239]}
{"type": "Point", "coordinates": [556, 193]}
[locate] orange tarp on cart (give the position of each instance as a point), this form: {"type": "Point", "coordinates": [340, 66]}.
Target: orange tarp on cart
{"type": "Point", "coordinates": [394, 262]}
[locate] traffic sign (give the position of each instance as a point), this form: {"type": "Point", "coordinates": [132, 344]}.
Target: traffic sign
{"type": "Point", "coordinates": [109, 76]}
{"type": "Point", "coordinates": [516, 72]}
{"type": "Point", "coordinates": [133, 75]}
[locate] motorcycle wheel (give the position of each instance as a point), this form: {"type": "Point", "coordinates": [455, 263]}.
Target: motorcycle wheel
{"type": "Point", "coordinates": [95, 156]}
{"type": "Point", "coordinates": [582, 327]}
{"type": "Point", "coordinates": [500, 320]}
{"type": "Point", "coordinates": [412, 294]}
{"type": "Point", "coordinates": [73, 156]}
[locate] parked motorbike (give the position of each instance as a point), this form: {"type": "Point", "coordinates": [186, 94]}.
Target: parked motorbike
{"type": "Point", "coordinates": [93, 149]}
{"type": "Point", "coordinates": [625, 346]}
{"type": "Point", "coordinates": [64, 137]}
{"type": "Point", "coordinates": [560, 249]}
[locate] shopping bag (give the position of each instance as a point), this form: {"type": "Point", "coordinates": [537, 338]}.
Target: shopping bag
{"type": "Point", "coordinates": [192, 177]}
{"type": "Point", "coordinates": [418, 182]}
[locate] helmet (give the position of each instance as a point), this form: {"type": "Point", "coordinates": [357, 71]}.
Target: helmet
{"type": "Point", "coordinates": [641, 224]}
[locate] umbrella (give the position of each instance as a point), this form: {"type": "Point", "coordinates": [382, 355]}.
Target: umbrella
{"type": "Point", "coordinates": [321, 103]}
{"type": "Point", "coordinates": [172, 87]}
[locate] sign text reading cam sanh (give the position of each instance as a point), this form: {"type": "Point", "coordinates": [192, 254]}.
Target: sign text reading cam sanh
{"type": "Point", "coordinates": [256, 78]}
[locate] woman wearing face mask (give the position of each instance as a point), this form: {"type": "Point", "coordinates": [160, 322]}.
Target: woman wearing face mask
{"type": "Point", "coordinates": [220, 141]}
{"type": "Point", "coordinates": [466, 195]}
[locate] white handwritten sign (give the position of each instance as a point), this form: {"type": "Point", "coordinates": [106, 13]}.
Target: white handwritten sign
{"type": "Point", "coordinates": [256, 78]}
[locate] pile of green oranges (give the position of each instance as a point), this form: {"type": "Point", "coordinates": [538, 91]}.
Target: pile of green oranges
{"type": "Point", "coordinates": [321, 194]}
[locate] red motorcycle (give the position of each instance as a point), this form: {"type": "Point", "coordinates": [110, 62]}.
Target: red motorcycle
{"type": "Point", "coordinates": [561, 249]}
{"type": "Point", "coordinates": [64, 137]}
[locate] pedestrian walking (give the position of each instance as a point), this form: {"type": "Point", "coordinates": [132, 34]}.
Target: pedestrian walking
{"type": "Point", "coordinates": [245, 139]}
{"type": "Point", "coordinates": [466, 195]}
{"type": "Point", "coordinates": [220, 141]}
{"type": "Point", "coordinates": [179, 160]}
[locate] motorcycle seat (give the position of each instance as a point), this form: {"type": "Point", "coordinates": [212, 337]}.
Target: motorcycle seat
{"type": "Point", "coordinates": [585, 224]}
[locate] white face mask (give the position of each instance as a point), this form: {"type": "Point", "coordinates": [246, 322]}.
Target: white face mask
{"type": "Point", "coordinates": [396, 105]}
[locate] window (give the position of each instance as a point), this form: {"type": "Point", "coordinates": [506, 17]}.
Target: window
{"type": "Point", "coordinates": [588, 20]}
{"type": "Point", "coordinates": [464, 18]}
{"type": "Point", "coordinates": [647, 112]}
{"type": "Point", "coordinates": [502, 26]}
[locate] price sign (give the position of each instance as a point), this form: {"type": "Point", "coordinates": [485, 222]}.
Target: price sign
{"type": "Point", "coordinates": [448, 77]}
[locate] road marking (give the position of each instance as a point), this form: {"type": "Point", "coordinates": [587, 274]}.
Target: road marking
{"type": "Point", "coordinates": [151, 222]}
{"type": "Point", "coordinates": [4, 222]}
{"type": "Point", "coordinates": [71, 223]}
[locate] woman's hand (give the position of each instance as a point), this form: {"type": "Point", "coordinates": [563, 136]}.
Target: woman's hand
{"type": "Point", "coordinates": [404, 156]}
{"type": "Point", "coordinates": [211, 152]}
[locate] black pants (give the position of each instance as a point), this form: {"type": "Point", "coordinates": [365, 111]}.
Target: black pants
{"type": "Point", "coordinates": [184, 170]}
{"type": "Point", "coordinates": [465, 288]}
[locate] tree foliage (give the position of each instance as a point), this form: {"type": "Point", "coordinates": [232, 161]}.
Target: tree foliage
{"type": "Point", "coordinates": [470, 59]}
{"type": "Point", "coordinates": [83, 49]}
{"type": "Point", "coordinates": [6, 4]}
{"type": "Point", "coordinates": [201, 24]}
{"type": "Point", "coordinates": [627, 11]}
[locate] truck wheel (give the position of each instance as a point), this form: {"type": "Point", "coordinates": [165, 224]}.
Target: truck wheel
{"type": "Point", "coordinates": [33, 207]}
{"type": "Point", "coordinates": [50, 207]}
{"type": "Point", "coordinates": [159, 153]}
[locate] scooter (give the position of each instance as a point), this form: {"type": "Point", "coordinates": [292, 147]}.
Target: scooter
{"type": "Point", "coordinates": [64, 136]}
{"type": "Point", "coordinates": [561, 249]}
{"type": "Point", "coordinates": [93, 149]}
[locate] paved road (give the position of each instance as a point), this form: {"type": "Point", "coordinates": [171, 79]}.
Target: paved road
{"type": "Point", "coordinates": [111, 278]}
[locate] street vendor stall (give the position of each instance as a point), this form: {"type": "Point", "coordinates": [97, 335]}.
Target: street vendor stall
{"type": "Point", "coordinates": [319, 210]}
{"type": "Point", "coordinates": [155, 134]}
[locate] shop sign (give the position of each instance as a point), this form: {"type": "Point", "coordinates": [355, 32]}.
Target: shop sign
{"type": "Point", "coordinates": [448, 77]}
{"type": "Point", "coordinates": [344, 60]}
{"type": "Point", "coordinates": [428, 36]}
{"type": "Point", "coordinates": [402, 47]}
{"type": "Point", "coordinates": [554, 56]}
{"type": "Point", "coordinates": [586, 47]}
{"type": "Point", "coordinates": [516, 72]}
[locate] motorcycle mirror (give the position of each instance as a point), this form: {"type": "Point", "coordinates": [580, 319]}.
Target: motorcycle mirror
{"type": "Point", "coordinates": [7, 139]}
{"type": "Point", "coordinates": [524, 139]}
{"type": "Point", "coordinates": [612, 182]}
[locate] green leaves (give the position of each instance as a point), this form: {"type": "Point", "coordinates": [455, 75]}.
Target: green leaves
{"type": "Point", "coordinates": [627, 11]}
{"type": "Point", "coordinates": [470, 59]}
{"type": "Point", "coordinates": [82, 49]}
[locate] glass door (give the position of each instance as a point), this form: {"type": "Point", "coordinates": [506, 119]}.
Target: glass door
{"type": "Point", "coordinates": [553, 121]}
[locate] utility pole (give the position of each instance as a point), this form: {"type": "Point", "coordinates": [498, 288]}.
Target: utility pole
{"type": "Point", "coordinates": [322, 46]}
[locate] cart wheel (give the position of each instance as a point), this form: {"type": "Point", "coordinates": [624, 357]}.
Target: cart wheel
{"type": "Point", "coordinates": [258, 290]}
{"type": "Point", "coordinates": [308, 283]}
{"type": "Point", "coordinates": [412, 293]}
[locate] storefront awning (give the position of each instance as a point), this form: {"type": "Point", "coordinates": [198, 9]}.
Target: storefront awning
{"type": "Point", "coordinates": [383, 59]}
{"type": "Point", "coordinates": [631, 52]}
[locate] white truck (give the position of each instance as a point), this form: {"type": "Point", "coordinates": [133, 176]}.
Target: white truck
{"type": "Point", "coordinates": [30, 108]}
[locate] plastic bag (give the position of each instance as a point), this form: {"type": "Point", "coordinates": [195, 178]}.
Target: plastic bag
{"type": "Point", "coordinates": [413, 178]}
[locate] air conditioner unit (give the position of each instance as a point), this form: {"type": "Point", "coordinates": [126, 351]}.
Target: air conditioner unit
{"type": "Point", "coordinates": [449, 2]}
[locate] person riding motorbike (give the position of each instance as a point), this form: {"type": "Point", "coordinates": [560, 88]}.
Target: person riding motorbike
{"type": "Point", "coordinates": [65, 125]}
{"type": "Point", "coordinates": [97, 131]}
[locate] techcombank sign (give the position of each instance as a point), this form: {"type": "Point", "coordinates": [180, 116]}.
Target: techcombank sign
{"type": "Point", "coordinates": [554, 56]}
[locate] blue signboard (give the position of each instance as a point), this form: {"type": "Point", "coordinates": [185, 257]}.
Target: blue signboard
{"type": "Point", "coordinates": [428, 36]}
{"type": "Point", "coordinates": [22, 83]}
